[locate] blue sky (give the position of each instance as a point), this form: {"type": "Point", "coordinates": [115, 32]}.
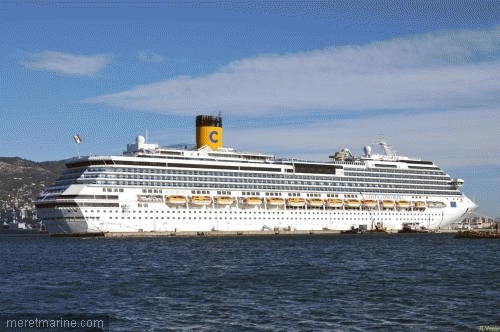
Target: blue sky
{"type": "Point", "coordinates": [297, 79]}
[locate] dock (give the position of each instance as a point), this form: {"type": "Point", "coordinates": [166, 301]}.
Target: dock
{"type": "Point", "coordinates": [266, 233]}
{"type": "Point", "coordinates": [478, 234]}
{"type": "Point", "coordinates": [217, 233]}
{"type": "Point", "coordinates": [195, 234]}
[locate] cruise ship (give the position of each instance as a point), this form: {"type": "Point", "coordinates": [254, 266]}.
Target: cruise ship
{"type": "Point", "coordinates": [209, 187]}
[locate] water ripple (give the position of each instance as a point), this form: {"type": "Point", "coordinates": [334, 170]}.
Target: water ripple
{"type": "Point", "coordinates": [343, 283]}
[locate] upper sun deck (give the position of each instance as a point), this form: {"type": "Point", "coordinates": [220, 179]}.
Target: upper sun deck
{"type": "Point", "coordinates": [143, 149]}
{"type": "Point", "coordinates": [388, 158]}
{"type": "Point", "coordinates": [148, 154]}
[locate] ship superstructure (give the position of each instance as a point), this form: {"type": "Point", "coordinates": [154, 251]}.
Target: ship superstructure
{"type": "Point", "coordinates": [212, 188]}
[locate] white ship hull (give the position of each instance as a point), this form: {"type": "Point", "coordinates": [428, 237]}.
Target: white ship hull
{"type": "Point", "coordinates": [132, 216]}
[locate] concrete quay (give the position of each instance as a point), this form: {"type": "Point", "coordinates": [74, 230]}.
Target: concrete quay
{"type": "Point", "coordinates": [234, 233]}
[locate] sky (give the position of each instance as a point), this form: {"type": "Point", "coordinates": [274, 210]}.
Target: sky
{"type": "Point", "coordinates": [298, 79]}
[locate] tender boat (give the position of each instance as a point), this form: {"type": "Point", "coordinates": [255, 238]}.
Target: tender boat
{"type": "Point", "coordinates": [176, 200]}
{"type": "Point", "coordinates": [201, 200]}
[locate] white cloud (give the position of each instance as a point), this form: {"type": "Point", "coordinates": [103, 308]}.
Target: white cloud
{"type": "Point", "coordinates": [150, 56]}
{"type": "Point", "coordinates": [452, 139]}
{"type": "Point", "coordinates": [65, 63]}
{"type": "Point", "coordinates": [447, 69]}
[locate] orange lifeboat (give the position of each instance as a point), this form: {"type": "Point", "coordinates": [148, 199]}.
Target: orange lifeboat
{"type": "Point", "coordinates": [420, 205]}
{"type": "Point", "coordinates": [352, 203]}
{"type": "Point", "coordinates": [388, 204]}
{"type": "Point", "coordinates": [315, 202]}
{"type": "Point", "coordinates": [201, 200]}
{"type": "Point", "coordinates": [224, 200]}
{"type": "Point", "coordinates": [369, 203]}
{"type": "Point", "coordinates": [403, 204]}
{"type": "Point", "coordinates": [275, 201]}
{"type": "Point", "coordinates": [252, 201]}
{"type": "Point", "coordinates": [334, 203]}
{"type": "Point", "coordinates": [295, 202]}
{"type": "Point", "coordinates": [175, 200]}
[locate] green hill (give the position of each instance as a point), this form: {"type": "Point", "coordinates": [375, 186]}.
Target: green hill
{"type": "Point", "coordinates": [22, 180]}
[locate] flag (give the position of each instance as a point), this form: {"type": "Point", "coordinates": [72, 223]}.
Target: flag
{"type": "Point", "coordinates": [77, 138]}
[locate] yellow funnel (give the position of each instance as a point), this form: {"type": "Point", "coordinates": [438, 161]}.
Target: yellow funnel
{"type": "Point", "coordinates": [208, 131]}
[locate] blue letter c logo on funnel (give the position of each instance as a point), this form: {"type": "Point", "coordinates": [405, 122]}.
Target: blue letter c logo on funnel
{"type": "Point", "coordinates": [211, 136]}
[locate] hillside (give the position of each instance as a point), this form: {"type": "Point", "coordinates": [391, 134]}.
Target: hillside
{"type": "Point", "coordinates": [22, 180]}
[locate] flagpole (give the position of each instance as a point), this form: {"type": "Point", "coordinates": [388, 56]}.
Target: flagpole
{"type": "Point", "coordinates": [77, 150]}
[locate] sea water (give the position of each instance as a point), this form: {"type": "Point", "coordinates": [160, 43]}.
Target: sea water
{"type": "Point", "coordinates": [369, 282]}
